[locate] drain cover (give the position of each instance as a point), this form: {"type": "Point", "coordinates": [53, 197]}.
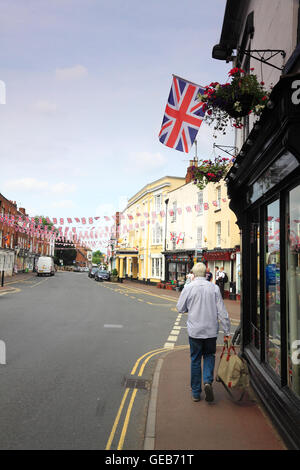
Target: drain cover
{"type": "Point", "coordinates": [135, 382]}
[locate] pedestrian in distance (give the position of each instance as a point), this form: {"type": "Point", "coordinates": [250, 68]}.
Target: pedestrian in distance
{"type": "Point", "coordinates": [189, 278]}
{"type": "Point", "coordinates": [222, 279]}
{"type": "Point", "coordinates": [217, 272]}
{"type": "Point", "coordinates": [203, 302]}
{"type": "Point", "coordinates": [209, 275]}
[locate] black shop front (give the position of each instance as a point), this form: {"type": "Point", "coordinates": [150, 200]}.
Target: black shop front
{"type": "Point", "coordinates": [264, 188]}
{"type": "Point", "coordinates": [179, 263]}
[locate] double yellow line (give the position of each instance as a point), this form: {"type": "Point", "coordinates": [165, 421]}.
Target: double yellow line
{"type": "Point", "coordinates": [140, 363]}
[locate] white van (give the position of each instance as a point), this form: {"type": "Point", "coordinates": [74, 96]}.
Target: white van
{"type": "Point", "coordinates": [45, 265]}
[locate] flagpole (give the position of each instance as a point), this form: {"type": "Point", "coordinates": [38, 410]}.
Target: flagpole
{"type": "Point", "coordinates": [196, 151]}
{"type": "Point", "coordinates": [185, 80]}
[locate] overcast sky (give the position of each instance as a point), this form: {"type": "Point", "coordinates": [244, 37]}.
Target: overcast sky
{"type": "Point", "coordinates": [87, 83]}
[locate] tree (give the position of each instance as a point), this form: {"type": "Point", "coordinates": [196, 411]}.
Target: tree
{"type": "Point", "coordinates": [98, 257]}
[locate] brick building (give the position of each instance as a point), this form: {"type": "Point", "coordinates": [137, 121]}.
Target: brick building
{"type": "Point", "coordinates": [19, 249]}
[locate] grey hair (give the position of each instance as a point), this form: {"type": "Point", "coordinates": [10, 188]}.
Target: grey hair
{"type": "Point", "coordinates": [199, 270]}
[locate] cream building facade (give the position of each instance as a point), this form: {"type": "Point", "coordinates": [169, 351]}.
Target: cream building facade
{"type": "Point", "coordinates": [142, 232]}
{"type": "Point", "coordinates": [201, 227]}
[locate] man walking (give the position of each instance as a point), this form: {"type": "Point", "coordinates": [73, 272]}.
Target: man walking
{"type": "Point", "coordinates": [204, 304]}
{"type": "Point", "coordinates": [222, 280]}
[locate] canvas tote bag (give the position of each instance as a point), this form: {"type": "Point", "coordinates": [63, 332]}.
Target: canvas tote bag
{"type": "Point", "coordinates": [233, 370]}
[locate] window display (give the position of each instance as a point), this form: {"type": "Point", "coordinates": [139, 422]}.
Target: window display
{"type": "Point", "coordinates": [272, 285]}
{"type": "Point", "coordinates": [293, 289]}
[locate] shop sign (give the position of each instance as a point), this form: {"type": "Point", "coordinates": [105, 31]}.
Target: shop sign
{"type": "Point", "coordinates": [218, 256]}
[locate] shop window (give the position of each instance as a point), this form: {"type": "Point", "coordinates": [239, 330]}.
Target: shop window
{"type": "Point", "coordinates": [181, 271]}
{"type": "Point", "coordinates": [272, 286]}
{"type": "Point", "coordinates": [172, 271]}
{"type": "Point", "coordinates": [255, 323]}
{"type": "Point", "coordinates": [293, 289]}
{"type": "Point", "coordinates": [282, 167]}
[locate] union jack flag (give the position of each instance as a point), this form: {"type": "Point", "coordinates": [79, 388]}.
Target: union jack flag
{"type": "Point", "coordinates": [183, 115]}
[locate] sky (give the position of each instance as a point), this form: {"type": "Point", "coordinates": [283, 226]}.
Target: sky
{"type": "Point", "coordinates": [87, 83]}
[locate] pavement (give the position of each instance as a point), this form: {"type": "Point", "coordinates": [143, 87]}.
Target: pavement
{"type": "Point", "coordinates": [11, 281]}
{"type": "Point", "coordinates": [175, 422]}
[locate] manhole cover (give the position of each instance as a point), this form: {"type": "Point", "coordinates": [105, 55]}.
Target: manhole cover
{"type": "Point", "coordinates": [135, 382]}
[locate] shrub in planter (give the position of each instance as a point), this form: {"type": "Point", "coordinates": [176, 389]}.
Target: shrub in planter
{"type": "Point", "coordinates": [114, 275]}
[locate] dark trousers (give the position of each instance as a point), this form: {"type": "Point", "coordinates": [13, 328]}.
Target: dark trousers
{"type": "Point", "coordinates": [221, 287]}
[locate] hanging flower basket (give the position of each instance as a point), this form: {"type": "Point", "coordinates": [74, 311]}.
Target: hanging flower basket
{"type": "Point", "coordinates": [244, 104]}
{"type": "Point", "coordinates": [230, 102]}
{"type": "Point", "coordinates": [209, 171]}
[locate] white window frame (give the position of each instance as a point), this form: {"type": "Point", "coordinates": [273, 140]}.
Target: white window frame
{"type": "Point", "coordinates": [199, 235]}
{"type": "Point", "coordinates": [156, 268]}
{"type": "Point", "coordinates": [158, 203]}
{"type": "Point", "coordinates": [174, 208]}
{"type": "Point", "coordinates": [218, 197]}
{"type": "Point", "coordinates": [200, 203]}
{"type": "Point", "coordinates": [218, 234]}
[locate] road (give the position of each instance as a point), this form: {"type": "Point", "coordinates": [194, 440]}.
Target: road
{"type": "Point", "coordinates": [71, 345]}
{"type": "Point", "coordinates": [80, 361]}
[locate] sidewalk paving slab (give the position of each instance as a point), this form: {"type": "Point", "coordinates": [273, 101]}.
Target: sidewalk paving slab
{"type": "Point", "coordinates": [181, 424]}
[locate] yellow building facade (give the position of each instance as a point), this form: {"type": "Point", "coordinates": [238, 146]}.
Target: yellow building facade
{"type": "Point", "coordinates": [143, 232]}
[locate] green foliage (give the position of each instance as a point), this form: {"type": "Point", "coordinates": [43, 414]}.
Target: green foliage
{"type": "Point", "coordinates": [230, 102]}
{"type": "Point", "coordinates": [210, 171]}
{"type": "Point", "coordinates": [98, 257]}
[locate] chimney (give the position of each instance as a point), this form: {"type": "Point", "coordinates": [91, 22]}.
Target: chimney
{"type": "Point", "coordinates": [21, 209]}
{"type": "Point", "coordinates": [190, 171]}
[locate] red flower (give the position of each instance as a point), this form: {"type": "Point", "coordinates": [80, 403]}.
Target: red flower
{"type": "Point", "coordinates": [264, 98]}
{"type": "Point", "coordinates": [252, 68]}
{"type": "Point", "coordinates": [262, 83]}
{"type": "Point", "coordinates": [235, 70]}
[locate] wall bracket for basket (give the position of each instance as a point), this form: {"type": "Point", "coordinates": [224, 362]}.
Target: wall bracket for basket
{"type": "Point", "coordinates": [264, 55]}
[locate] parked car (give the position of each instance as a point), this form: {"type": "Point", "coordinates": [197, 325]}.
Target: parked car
{"type": "Point", "coordinates": [45, 265]}
{"type": "Point", "coordinates": [102, 275]}
{"type": "Point", "coordinates": [92, 272]}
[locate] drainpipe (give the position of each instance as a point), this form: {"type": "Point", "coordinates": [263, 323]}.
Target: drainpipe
{"type": "Point", "coordinates": [165, 247]}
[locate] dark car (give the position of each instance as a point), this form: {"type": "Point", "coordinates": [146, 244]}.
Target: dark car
{"type": "Point", "coordinates": [92, 272]}
{"type": "Point", "coordinates": [102, 275]}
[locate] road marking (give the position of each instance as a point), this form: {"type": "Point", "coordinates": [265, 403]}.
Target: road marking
{"type": "Point", "coordinates": [116, 422]}
{"type": "Point", "coordinates": [146, 357]}
{"type": "Point", "coordinates": [175, 332]}
{"type": "Point", "coordinates": [44, 280]}
{"type": "Point", "coordinates": [132, 290]}
{"type": "Point", "coordinates": [13, 291]}
{"type": "Point", "coordinates": [172, 338]}
{"type": "Point", "coordinates": [112, 326]}
{"type": "Point", "coordinates": [169, 345]}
